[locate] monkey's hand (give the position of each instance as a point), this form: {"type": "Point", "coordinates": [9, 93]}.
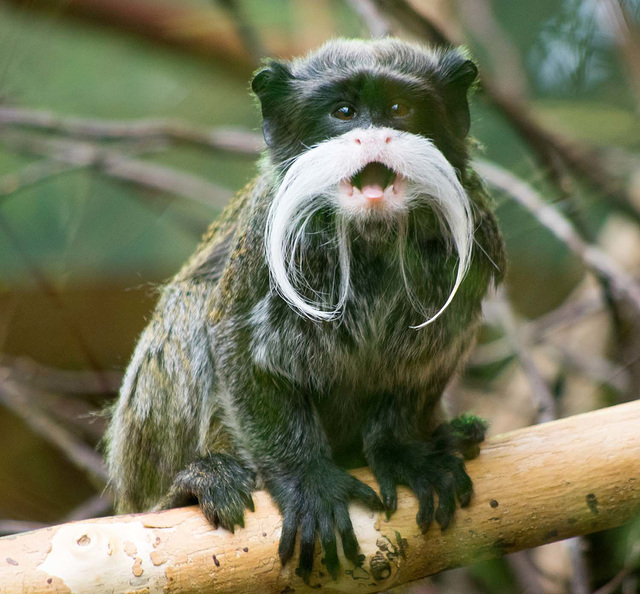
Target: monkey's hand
{"type": "Point", "coordinates": [314, 500]}
{"type": "Point", "coordinates": [430, 468]}
{"type": "Point", "coordinates": [220, 484]}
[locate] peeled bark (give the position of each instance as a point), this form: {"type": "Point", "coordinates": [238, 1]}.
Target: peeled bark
{"type": "Point", "coordinates": [532, 486]}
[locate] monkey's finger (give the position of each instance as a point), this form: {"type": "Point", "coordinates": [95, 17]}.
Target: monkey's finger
{"type": "Point", "coordinates": [358, 490]}
{"type": "Point", "coordinates": [347, 535]}
{"type": "Point", "coordinates": [389, 494]}
{"type": "Point", "coordinates": [307, 547]}
{"type": "Point", "coordinates": [230, 517]}
{"type": "Point", "coordinates": [288, 536]}
{"type": "Point", "coordinates": [329, 545]}
{"type": "Point", "coordinates": [444, 487]}
{"type": "Point", "coordinates": [426, 507]}
{"type": "Point", "coordinates": [462, 483]}
{"type": "Point", "coordinates": [248, 502]}
{"type": "Point", "coordinates": [210, 513]}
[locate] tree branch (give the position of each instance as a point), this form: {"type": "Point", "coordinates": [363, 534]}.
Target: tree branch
{"type": "Point", "coordinates": [533, 486]}
{"type": "Point", "coordinates": [119, 165]}
{"type": "Point", "coordinates": [594, 258]}
{"type": "Point", "coordinates": [233, 141]}
{"type": "Point", "coordinates": [78, 452]}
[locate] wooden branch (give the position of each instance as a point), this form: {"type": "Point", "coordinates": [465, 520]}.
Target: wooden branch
{"type": "Point", "coordinates": [533, 486]}
{"type": "Point", "coordinates": [120, 166]}
{"type": "Point", "coordinates": [237, 142]}
{"type": "Point", "coordinates": [194, 30]}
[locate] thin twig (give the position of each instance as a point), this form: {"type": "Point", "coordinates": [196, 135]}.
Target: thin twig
{"type": "Point", "coordinates": [526, 572]}
{"type": "Point", "coordinates": [499, 311]}
{"type": "Point", "coordinates": [185, 26]}
{"type": "Point", "coordinates": [592, 256]}
{"type": "Point", "coordinates": [477, 16]}
{"type": "Point", "coordinates": [33, 174]}
{"type": "Point", "coordinates": [580, 572]}
{"type": "Point", "coordinates": [370, 16]}
{"type": "Point", "coordinates": [246, 31]}
{"type": "Point", "coordinates": [8, 527]}
{"type": "Point", "coordinates": [52, 293]}
{"type": "Point", "coordinates": [416, 22]}
{"type": "Point", "coordinates": [630, 565]}
{"type": "Point", "coordinates": [94, 507]}
{"type": "Point", "coordinates": [233, 141]}
{"type": "Point", "coordinates": [600, 370]}
{"type": "Point", "coordinates": [81, 455]}
{"type": "Point", "coordinates": [117, 165]}
{"type": "Point", "coordinates": [566, 314]}
{"type": "Point", "coordinates": [59, 380]}
{"type": "Point", "coordinates": [45, 169]}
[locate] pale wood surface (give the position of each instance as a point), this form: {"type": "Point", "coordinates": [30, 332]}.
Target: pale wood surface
{"type": "Point", "coordinates": [533, 486]}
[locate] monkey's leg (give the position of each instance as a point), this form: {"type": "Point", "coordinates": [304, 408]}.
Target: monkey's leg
{"type": "Point", "coordinates": [397, 455]}
{"type": "Point", "coordinates": [166, 406]}
{"type": "Point", "coordinates": [220, 484]}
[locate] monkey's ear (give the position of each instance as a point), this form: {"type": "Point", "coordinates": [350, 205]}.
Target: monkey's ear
{"type": "Point", "coordinates": [457, 74]}
{"type": "Point", "coordinates": [271, 86]}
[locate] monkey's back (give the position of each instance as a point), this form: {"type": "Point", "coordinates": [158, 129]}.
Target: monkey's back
{"type": "Point", "coordinates": [166, 413]}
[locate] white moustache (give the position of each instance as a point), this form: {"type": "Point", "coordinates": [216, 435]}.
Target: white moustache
{"type": "Point", "coordinates": [313, 182]}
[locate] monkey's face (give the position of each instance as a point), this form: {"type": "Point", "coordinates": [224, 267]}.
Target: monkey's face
{"type": "Point", "coordinates": [349, 84]}
{"type": "Point", "coordinates": [370, 131]}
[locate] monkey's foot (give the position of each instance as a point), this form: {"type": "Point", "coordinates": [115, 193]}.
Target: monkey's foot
{"type": "Point", "coordinates": [428, 468]}
{"type": "Point", "coordinates": [220, 484]}
{"type": "Point", "coordinates": [315, 500]}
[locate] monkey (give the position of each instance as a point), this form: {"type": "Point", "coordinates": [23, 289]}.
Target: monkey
{"type": "Point", "coordinates": [325, 311]}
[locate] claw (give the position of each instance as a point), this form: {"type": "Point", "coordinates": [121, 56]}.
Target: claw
{"type": "Point", "coordinates": [428, 468]}
{"type": "Point", "coordinates": [250, 504]}
{"type": "Point", "coordinates": [443, 518]}
{"type": "Point", "coordinates": [287, 538]}
{"type": "Point", "coordinates": [305, 574]}
{"type": "Point", "coordinates": [307, 548]}
{"type": "Point", "coordinates": [465, 499]}
{"type": "Point", "coordinates": [349, 540]}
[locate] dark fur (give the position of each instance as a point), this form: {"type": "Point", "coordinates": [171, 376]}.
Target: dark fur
{"type": "Point", "coordinates": [228, 383]}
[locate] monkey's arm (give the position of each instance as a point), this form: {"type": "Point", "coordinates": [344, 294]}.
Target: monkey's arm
{"type": "Point", "coordinates": [281, 429]}
{"type": "Point", "coordinates": [426, 456]}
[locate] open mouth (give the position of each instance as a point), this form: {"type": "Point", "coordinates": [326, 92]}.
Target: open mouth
{"type": "Point", "coordinates": [373, 179]}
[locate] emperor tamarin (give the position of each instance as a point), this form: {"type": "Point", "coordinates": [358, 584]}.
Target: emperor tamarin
{"type": "Point", "coordinates": [325, 311]}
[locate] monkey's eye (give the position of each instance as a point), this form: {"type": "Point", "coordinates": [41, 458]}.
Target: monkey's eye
{"type": "Point", "coordinates": [344, 112]}
{"type": "Point", "coordinates": [399, 110]}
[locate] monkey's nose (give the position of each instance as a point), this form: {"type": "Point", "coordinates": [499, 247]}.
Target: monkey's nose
{"type": "Point", "coordinates": [372, 136]}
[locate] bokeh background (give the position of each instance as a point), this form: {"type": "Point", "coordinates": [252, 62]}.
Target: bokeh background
{"type": "Point", "coordinates": [126, 125]}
